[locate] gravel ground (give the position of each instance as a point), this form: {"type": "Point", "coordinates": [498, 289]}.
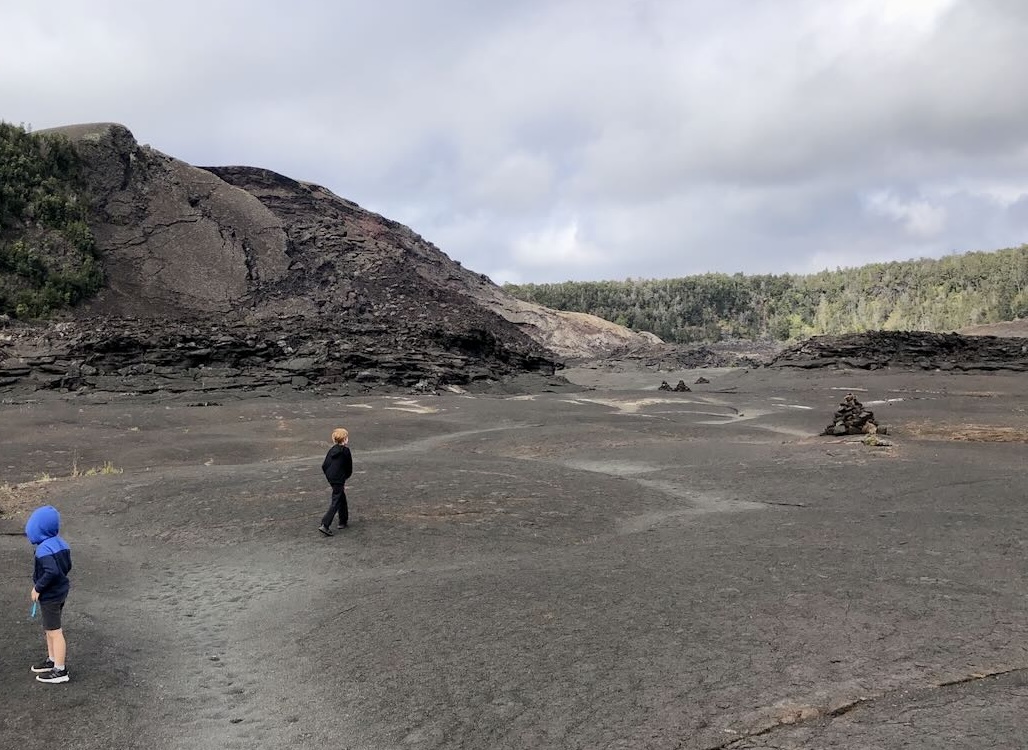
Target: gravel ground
{"type": "Point", "coordinates": [603, 567]}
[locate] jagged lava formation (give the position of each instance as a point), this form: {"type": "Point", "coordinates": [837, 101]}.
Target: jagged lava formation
{"type": "Point", "coordinates": [242, 277]}
{"type": "Point", "coordinates": [908, 349]}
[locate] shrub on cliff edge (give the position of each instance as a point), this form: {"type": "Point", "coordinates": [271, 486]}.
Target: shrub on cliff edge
{"type": "Point", "coordinates": [48, 254]}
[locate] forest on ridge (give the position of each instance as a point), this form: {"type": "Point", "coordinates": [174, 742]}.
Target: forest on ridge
{"type": "Point", "coordinates": [48, 254]}
{"type": "Point", "coordinates": [942, 294]}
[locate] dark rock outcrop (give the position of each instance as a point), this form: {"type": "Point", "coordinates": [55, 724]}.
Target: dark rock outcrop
{"type": "Point", "coordinates": [176, 241]}
{"type": "Point", "coordinates": [344, 258]}
{"type": "Point", "coordinates": [179, 241]}
{"type": "Point", "coordinates": [695, 356]}
{"type": "Point", "coordinates": [244, 277]}
{"type": "Point", "coordinates": [146, 356]}
{"type": "Point", "coordinates": [908, 349]}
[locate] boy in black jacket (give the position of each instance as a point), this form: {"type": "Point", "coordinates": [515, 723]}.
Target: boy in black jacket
{"type": "Point", "coordinates": [50, 588]}
{"type": "Point", "coordinates": [337, 466]}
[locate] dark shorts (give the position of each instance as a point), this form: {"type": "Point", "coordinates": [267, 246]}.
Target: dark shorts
{"type": "Point", "coordinates": [51, 612]}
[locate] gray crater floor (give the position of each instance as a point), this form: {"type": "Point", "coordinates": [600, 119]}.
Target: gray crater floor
{"type": "Point", "coordinates": [615, 567]}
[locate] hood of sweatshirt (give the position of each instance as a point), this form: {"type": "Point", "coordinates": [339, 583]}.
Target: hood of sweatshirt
{"type": "Point", "coordinates": [43, 524]}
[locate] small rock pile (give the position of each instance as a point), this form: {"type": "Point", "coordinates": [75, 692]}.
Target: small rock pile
{"type": "Point", "coordinates": [424, 387]}
{"type": "Point", "coordinates": [680, 388]}
{"type": "Point", "coordinates": [851, 418]}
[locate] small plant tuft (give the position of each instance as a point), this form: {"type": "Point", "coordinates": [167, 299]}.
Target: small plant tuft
{"type": "Point", "coordinates": [106, 469]}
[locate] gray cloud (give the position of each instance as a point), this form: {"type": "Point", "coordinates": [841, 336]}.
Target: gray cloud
{"type": "Point", "coordinates": [560, 139]}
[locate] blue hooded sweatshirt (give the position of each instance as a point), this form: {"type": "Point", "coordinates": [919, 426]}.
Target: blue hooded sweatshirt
{"type": "Point", "coordinates": [53, 555]}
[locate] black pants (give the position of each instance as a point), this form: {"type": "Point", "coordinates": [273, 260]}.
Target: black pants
{"type": "Point", "coordinates": [338, 506]}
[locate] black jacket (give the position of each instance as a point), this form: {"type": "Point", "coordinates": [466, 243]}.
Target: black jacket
{"type": "Point", "coordinates": [338, 464]}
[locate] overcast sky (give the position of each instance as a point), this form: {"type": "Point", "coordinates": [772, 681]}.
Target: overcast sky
{"type": "Point", "coordinates": [545, 140]}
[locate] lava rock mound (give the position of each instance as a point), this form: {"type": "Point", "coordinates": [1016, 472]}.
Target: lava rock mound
{"type": "Point", "coordinates": [908, 349]}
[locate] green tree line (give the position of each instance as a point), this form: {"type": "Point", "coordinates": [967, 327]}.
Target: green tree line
{"type": "Point", "coordinates": [929, 294]}
{"type": "Point", "coordinates": [48, 255]}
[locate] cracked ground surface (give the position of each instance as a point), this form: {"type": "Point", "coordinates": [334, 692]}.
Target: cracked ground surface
{"type": "Point", "coordinates": [614, 568]}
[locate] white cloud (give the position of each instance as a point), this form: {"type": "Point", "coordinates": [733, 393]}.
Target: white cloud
{"type": "Point", "coordinates": [507, 276]}
{"type": "Point", "coordinates": [561, 246]}
{"type": "Point", "coordinates": [919, 217]}
{"type": "Point", "coordinates": [518, 182]}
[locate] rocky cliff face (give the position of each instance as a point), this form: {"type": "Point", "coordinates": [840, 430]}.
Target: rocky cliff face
{"type": "Point", "coordinates": [345, 258]}
{"type": "Point", "coordinates": [252, 275]}
{"type": "Point", "coordinates": [176, 240]}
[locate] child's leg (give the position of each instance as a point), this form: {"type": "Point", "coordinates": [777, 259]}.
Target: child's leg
{"type": "Point", "coordinates": [57, 646]}
{"type": "Point", "coordinates": [333, 508]}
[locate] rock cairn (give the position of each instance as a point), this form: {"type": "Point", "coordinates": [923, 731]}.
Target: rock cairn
{"type": "Point", "coordinates": [851, 418]}
{"type": "Point", "coordinates": [680, 388]}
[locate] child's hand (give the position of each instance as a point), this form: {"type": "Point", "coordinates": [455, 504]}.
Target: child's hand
{"type": "Point", "coordinates": [34, 595]}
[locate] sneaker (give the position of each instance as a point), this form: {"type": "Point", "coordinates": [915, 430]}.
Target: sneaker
{"type": "Point", "coordinates": [54, 676]}
{"type": "Point", "coordinates": [325, 530]}
{"type": "Point", "coordinates": [342, 526]}
{"type": "Point", "coordinates": [43, 666]}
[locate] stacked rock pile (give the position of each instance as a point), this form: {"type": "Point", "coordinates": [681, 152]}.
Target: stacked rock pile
{"type": "Point", "coordinates": [851, 418]}
{"type": "Point", "coordinates": [680, 388]}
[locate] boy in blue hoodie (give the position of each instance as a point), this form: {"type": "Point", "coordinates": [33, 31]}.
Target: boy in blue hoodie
{"type": "Point", "coordinates": [50, 588]}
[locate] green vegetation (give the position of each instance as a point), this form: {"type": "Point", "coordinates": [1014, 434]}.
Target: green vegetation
{"type": "Point", "coordinates": [930, 295]}
{"type": "Point", "coordinates": [48, 256]}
